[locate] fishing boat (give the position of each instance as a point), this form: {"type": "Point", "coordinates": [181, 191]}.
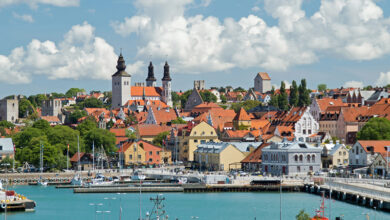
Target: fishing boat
{"type": "Point", "coordinates": [100, 180]}
{"type": "Point", "coordinates": [157, 212]}
{"type": "Point", "coordinates": [320, 213]}
{"type": "Point", "coordinates": [41, 182]}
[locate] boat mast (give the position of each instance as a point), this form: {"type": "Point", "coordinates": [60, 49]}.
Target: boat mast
{"type": "Point", "coordinates": [280, 197]}
{"type": "Point", "coordinates": [41, 157]}
{"type": "Point", "coordinates": [93, 155]}
{"type": "Point", "coordinates": [78, 154]}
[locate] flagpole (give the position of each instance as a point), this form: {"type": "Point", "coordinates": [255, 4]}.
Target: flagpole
{"type": "Point", "coordinates": [93, 155]}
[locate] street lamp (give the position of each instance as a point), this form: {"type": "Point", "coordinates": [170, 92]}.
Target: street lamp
{"type": "Point", "coordinates": [96, 205]}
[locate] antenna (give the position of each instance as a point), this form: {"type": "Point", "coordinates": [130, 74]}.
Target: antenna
{"type": "Point", "coordinates": [121, 50]}
{"type": "Point", "coordinates": [166, 57]}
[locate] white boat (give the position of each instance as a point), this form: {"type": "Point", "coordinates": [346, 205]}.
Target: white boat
{"type": "Point", "coordinates": [100, 180]}
{"type": "Point", "coordinates": [77, 180]}
{"type": "Point", "coordinates": [42, 182]}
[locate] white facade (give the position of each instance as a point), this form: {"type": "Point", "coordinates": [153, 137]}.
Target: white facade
{"type": "Point", "coordinates": [306, 125]}
{"type": "Point", "coordinates": [315, 109]}
{"type": "Point", "coordinates": [120, 90]}
{"type": "Point", "coordinates": [166, 96]}
{"type": "Point", "coordinates": [262, 85]}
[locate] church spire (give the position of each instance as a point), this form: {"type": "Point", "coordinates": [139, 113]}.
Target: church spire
{"type": "Point", "coordinates": [166, 77]}
{"type": "Point", "coordinates": [121, 67]}
{"type": "Point", "coordinates": [151, 77]}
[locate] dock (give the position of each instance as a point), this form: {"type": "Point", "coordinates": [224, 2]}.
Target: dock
{"type": "Point", "coordinates": [191, 188]}
{"type": "Point", "coordinates": [19, 205]}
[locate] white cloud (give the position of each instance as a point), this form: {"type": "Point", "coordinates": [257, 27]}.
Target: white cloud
{"type": "Point", "coordinates": [383, 80]}
{"type": "Point", "coordinates": [81, 55]}
{"type": "Point", "coordinates": [35, 3]}
{"type": "Point", "coordinates": [353, 84]}
{"type": "Point", "coordinates": [351, 29]}
{"type": "Point", "coordinates": [25, 17]}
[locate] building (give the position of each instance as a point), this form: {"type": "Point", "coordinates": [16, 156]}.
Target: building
{"type": "Point", "coordinates": [6, 148]}
{"type": "Point", "coordinates": [194, 99]}
{"type": "Point", "coordinates": [86, 161]}
{"type": "Point", "coordinates": [9, 109]}
{"type": "Point", "coordinates": [291, 158]}
{"type": "Point", "coordinates": [364, 152]}
{"type": "Point", "coordinates": [199, 84]}
{"type": "Point", "coordinates": [334, 155]}
{"type": "Point", "coordinates": [193, 135]}
{"type": "Point", "coordinates": [252, 162]}
{"type": "Point", "coordinates": [122, 91]}
{"type": "Point", "coordinates": [262, 83]}
{"type": "Point", "coordinates": [242, 121]}
{"type": "Point", "coordinates": [225, 156]}
{"type": "Point", "coordinates": [318, 106]}
{"type": "Point", "coordinates": [142, 152]}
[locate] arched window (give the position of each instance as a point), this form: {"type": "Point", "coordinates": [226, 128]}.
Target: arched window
{"type": "Point", "coordinates": [296, 158]}
{"type": "Point", "coordinates": [300, 157]}
{"type": "Point", "coordinates": [313, 158]}
{"type": "Point", "coordinates": [308, 158]}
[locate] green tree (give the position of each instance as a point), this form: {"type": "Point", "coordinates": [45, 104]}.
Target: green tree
{"type": "Point", "coordinates": [375, 129]}
{"type": "Point", "coordinates": [41, 124]}
{"type": "Point", "coordinates": [76, 115]}
{"type": "Point", "coordinates": [207, 96]}
{"type": "Point", "coordinates": [60, 136]}
{"type": "Point", "coordinates": [184, 97]}
{"type": "Point", "coordinates": [7, 162]}
{"type": "Point", "coordinates": [239, 89]}
{"type": "Point", "coordinates": [302, 215]}
{"type": "Point", "coordinates": [72, 92]}
{"type": "Point", "coordinates": [131, 120]}
{"type": "Point", "coordinates": [36, 100]}
{"type": "Point", "coordinates": [178, 120]}
{"type": "Point", "coordinates": [274, 98]}
{"type": "Point", "coordinates": [100, 137]}
{"type": "Point", "coordinates": [158, 140]}
{"type": "Point", "coordinates": [321, 87]}
{"type": "Point", "coordinates": [223, 99]}
{"type": "Point", "coordinates": [91, 103]}
{"type": "Point", "coordinates": [25, 107]}
{"type": "Point", "coordinates": [367, 88]}
{"type": "Point", "coordinates": [175, 98]}
{"type": "Point", "coordinates": [7, 124]}
{"type": "Point", "coordinates": [282, 97]}
{"type": "Point", "coordinates": [131, 134]}
{"type": "Point", "coordinates": [22, 139]}
{"type": "Point", "coordinates": [248, 104]}
{"type": "Point", "coordinates": [294, 94]}
{"type": "Point", "coordinates": [304, 94]}
{"type": "Point", "coordinates": [86, 126]}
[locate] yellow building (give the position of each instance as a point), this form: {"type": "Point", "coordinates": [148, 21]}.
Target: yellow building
{"type": "Point", "coordinates": [220, 156]}
{"type": "Point", "coordinates": [190, 137]}
{"type": "Point", "coordinates": [334, 155]}
{"type": "Point", "coordinates": [242, 120]}
{"type": "Point", "coordinates": [132, 153]}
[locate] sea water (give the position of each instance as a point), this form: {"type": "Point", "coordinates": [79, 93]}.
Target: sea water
{"type": "Point", "coordinates": [63, 204]}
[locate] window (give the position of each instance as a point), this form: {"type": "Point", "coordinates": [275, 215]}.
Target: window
{"type": "Point", "coordinates": [309, 132]}
{"type": "Point", "coordinates": [308, 158]}
{"type": "Point", "coordinates": [212, 132]}
{"type": "Point", "coordinates": [340, 153]}
{"type": "Point", "coordinates": [296, 158]}
{"type": "Point", "coordinates": [300, 158]}
{"type": "Point", "coordinates": [344, 153]}
{"type": "Point", "coordinates": [338, 160]}
{"type": "Point", "coordinates": [130, 157]}
{"type": "Point", "coordinates": [139, 156]}
{"type": "Point", "coordinates": [195, 141]}
{"type": "Point", "coordinates": [150, 152]}
{"type": "Point", "coordinates": [158, 152]}
{"type": "Point", "coordinates": [311, 168]}
{"type": "Point", "coordinates": [357, 161]}
{"type": "Point", "coordinates": [150, 160]}
{"type": "Point", "coordinates": [361, 151]}
{"type": "Point", "coordinates": [304, 131]}
{"type": "Point", "coordinates": [298, 168]}
{"type": "Point", "coordinates": [313, 158]}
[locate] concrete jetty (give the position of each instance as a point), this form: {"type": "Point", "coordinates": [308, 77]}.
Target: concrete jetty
{"type": "Point", "coordinates": [128, 189]}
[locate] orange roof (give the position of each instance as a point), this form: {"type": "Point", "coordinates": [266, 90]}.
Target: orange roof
{"type": "Point", "coordinates": [147, 102]}
{"type": "Point", "coordinates": [378, 145]}
{"type": "Point", "coordinates": [119, 132]}
{"type": "Point", "coordinates": [255, 156]}
{"type": "Point", "coordinates": [351, 114]}
{"type": "Point", "coordinates": [151, 130]}
{"type": "Point", "coordinates": [149, 91]}
{"type": "Point", "coordinates": [236, 133]}
{"type": "Point", "coordinates": [264, 76]}
{"type": "Point", "coordinates": [324, 103]}
{"type": "Point", "coordinates": [164, 115]}
{"type": "Point", "coordinates": [259, 123]}
{"type": "Point", "coordinates": [219, 117]}
{"type": "Point", "coordinates": [242, 115]}
{"type": "Point", "coordinates": [75, 157]}
{"type": "Point", "coordinates": [51, 118]}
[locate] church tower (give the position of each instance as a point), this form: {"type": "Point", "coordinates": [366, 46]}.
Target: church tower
{"type": "Point", "coordinates": [151, 80]}
{"type": "Point", "coordinates": [121, 85]}
{"type": "Point", "coordinates": [166, 84]}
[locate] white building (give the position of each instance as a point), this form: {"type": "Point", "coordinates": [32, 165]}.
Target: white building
{"type": "Point", "coordinates": [9, 109]}
{"type": "Point", "coordinates": [262, 82]}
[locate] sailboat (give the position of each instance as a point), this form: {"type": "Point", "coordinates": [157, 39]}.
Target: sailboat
{"type": "Point", "coordinates": [77, 180]}
{"type": "Point", "coordinates": [41, 182]}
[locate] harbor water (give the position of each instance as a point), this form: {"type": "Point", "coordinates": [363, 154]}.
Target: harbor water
{"type": "Point", "coordinates": [63, 204]}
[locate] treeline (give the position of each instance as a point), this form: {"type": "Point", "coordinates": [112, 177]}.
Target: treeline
{"type": "Point", "coordinates": [298, 96]}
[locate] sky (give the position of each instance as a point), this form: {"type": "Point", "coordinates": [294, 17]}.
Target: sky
{"type": "Point", "coordinates": [53, 45]}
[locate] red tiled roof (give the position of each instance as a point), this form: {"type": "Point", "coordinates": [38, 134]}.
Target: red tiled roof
{"type": "Point", "coordinates": [149, 91]}
{"type": "Point", "coordinates": [75, 157]}
{"type": "Point", "coordinates": [378, 145]}
{"type": "Point", "coordinates": [242, 115]}
{"type": "Point", "coordinates": [51, 118]}
{"type": "Point", "coordinates": [264, 76]}
{"type": "Point", "coordinates": [119, 132]}
{"type": "Point", "coordinates": [151, 130]}
{"type": "Point", "coordinates": [255, 156]}
{"type": "Point", "coordinates": [326, 102]}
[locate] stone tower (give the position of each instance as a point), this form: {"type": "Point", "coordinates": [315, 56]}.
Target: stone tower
{"type": "Point", "coordinates": [151, 80]}
{"type": "Point", "coordinates": [262, 83]}
{"type": "Point", "coordinates": [121, 85]}
{"type": "Point", "coordinates": [166, 84]}
{"type": "Point", "coordinates": [199, 84]}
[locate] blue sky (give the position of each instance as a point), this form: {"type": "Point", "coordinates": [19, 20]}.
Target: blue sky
{"type": "Point", "coordinates": [74, 43]}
